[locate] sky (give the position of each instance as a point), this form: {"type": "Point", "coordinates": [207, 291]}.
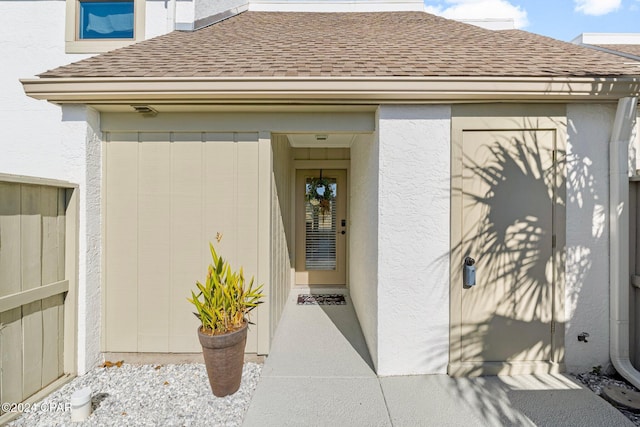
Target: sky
{"type": "Point", "coordinates": [560, 19]}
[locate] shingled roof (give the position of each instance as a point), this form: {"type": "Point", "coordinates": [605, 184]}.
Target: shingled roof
{"type": "Point", "coordinates": [384, 44]}
{"type": "Point", "coordinates": [632, 49]}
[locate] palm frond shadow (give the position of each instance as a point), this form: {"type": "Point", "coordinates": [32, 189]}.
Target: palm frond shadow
{"type": "Point", "coordinates": [512, 244]}
{"type": "Point", "coordinates": [512, 241]}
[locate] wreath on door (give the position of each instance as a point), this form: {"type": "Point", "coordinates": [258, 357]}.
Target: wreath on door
{"type": "Point", "coordinates": [320, 194]}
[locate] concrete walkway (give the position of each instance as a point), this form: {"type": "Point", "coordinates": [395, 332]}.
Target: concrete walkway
{"type": "Point", "coordinates": [319, 373]}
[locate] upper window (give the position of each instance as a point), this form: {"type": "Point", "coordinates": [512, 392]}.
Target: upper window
{"type": "Point", "coordinates": [94, 26]}
{"type": "Point", "coordinates": [105, 19]}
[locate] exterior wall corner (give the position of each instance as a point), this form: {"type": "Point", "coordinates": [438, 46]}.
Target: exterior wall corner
{"type": "Point", "coordinates": [81, 134]}
{"type": "Point", "coordinates": [413, 239]}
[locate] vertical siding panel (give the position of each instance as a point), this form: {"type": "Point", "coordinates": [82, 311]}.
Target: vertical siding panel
{"type": "Point", "coordinates": [61, 336]}
{"type": "Point", "coordinates": [50, 350]}
{"type": "Point", "coordinates": [61, 227]}
{"type": "Point", "coordinates": [32, 348]}
{"type": "Point", "coordinates": [49, 210]}
{"type": "Point", "coordinates": [10, 241]}
{"type": "Point", "coordinates": [186, 238]}
{"type": "Point", "coordinates": [247, 217]}
{"type": "Point", "coordinates": [281, 259]}
{"type": "Point", "coordinates": [11, 349]}
{"type": "Point", "coordinates": [61, 237]}
{"type": "Point", "coordinates": [121, 247]}
{"type": "Point", "coordinates": [31, 237]}
{"type": "Point", "coordinates": [220, 209]}
{"type": "Point", "coordinates": [10, 283]}
{"type": "Point", "coordinates": [50, 270]}
{"type": "Point", "coordinates": [31, 263]}
{"type": "Point", "coordinates": [154, 244]}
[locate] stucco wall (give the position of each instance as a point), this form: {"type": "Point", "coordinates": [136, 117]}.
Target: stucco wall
{"type": "Point", "coordinates": [587, 266]}
{"type": "Point", "coordinates": [190, 11]}
{"type": "Point", "coordinates": [41, 140]}
{"type": "Point", "coordinates": [81, 136]}
{"type": "Point", "coordinates": [363, 237]}
{"type": "Point", "coordinates": [32, 37]}
{"type": "Point", "coordinates": [413, 239]}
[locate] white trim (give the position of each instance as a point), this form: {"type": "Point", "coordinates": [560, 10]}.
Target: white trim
{"type": "Point", "coordinates": [607, 38]}
{"type": "Point", "coordinates": [336, 5]}
{"type": "Point", "coordinates": [75, 45]}
{"type": "Point", "coordinates": [305, 90]}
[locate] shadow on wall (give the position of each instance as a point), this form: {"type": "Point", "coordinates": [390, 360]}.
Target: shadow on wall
{"type": "Point", "coordinates": [509, 187]}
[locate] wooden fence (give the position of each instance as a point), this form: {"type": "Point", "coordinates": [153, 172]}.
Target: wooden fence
{"type": "Point", "coordinates": [38, 252]}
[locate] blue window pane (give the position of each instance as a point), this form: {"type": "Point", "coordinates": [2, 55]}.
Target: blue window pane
{"type": "Point", "coordinates": [106, 20]}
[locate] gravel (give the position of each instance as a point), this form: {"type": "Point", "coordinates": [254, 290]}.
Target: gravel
{"type": "Point", "coordinates": [148, 395]}
{"type": "Point", "coordinates": [596, 381]}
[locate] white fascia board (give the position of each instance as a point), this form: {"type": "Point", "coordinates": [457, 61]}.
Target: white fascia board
{"type": "Point", "coordinates": [336, 6]}
{"type": "Point", "coordinates": [613, 52]}
{"type": "Point", "coordinates": [491, 24]}
{"type": "Point", "coordinates": [344, 90]}
{"type": "Point", "coordinates": [607, 38]}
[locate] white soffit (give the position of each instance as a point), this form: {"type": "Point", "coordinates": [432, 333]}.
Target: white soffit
{"type": "Point", "coordinates": [336, 5]}
{"type": "Point", "coordinates": [324, 140]}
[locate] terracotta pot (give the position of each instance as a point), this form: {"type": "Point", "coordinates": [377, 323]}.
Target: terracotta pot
{"type": "Point", "coordinates": [224, 357]}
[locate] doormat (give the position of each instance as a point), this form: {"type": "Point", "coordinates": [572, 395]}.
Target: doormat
{"type": "Point", "coordinates": [321, 299]}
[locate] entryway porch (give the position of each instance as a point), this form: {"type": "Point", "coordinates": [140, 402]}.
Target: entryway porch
{"type": "Point", "coordinates": [319, 373]}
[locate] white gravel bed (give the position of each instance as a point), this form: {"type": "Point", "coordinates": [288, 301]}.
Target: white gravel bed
{"type": "Point", "coordinates": [148, 395]}
{"type": "Point", "coordinates": [597, 381]}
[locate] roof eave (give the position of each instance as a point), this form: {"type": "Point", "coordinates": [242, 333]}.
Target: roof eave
{"type": "Point", "coordinates": [313, 90]}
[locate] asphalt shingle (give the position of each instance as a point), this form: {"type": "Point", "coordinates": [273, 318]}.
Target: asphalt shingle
{"type": "Point", "coordinates": [633, 49]}
{"type": "Point", "coordinates": [384, 44]}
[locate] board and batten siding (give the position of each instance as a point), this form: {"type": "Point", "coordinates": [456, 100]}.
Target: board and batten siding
{"type": "Point", "coordinates": [281, 244]}
{"type": "Point", "coordinates": [167, 195]}
{"type": "Point", "coordinates": [33, 286]}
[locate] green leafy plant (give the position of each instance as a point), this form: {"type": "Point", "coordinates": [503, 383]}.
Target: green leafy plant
{"type": "Point", "coordinates": [224, 302]}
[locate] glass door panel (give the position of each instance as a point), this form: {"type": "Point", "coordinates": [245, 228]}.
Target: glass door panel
{"type": "Point", "coordinates": [321, 227]}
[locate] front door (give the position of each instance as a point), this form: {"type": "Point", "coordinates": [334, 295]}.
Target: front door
{"type": "Point", "coordinates": [505, 194]}
{"type": "Point", "coordinates": [321, 227]}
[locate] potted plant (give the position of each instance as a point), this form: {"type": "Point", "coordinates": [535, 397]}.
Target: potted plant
{"type": "Point", "coordinates": [223, 304]}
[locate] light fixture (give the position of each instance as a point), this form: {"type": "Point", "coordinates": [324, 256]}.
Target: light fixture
{"type": "Point", "coordinates": [145, 110]}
